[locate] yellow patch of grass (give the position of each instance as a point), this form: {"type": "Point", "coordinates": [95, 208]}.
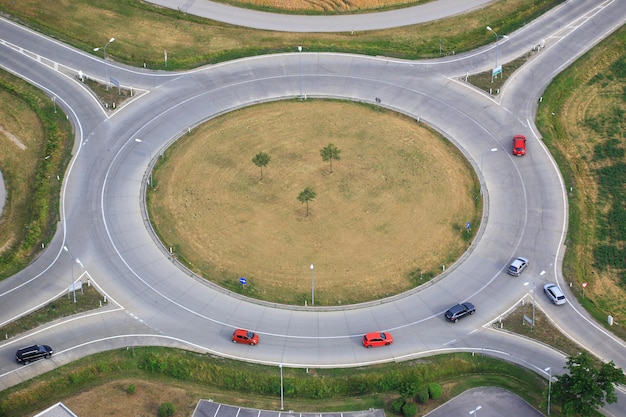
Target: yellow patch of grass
{"type": "Point", "coordinates": [389, 207]}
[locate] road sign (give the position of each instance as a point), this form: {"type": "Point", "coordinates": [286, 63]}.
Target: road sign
{"type": "Point", "coordinates": [243, 281]}
{"type": "Point", "coordinates": [467, 225]}
{"type": "Point", "coordinates": [584, 285]}
{"type": "Point", "coordinates": [497, 70]}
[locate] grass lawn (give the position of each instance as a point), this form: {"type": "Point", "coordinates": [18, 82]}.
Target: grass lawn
{"type": "Point", "coordinates": [385, 220]}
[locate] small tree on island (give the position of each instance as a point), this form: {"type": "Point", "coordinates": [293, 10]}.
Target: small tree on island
{"type": "Point", "coordinates": [305, 196]}
{"type": "Point", "coordinates": [329, 153]}
{"type": "Point", "coordinates": [586, 387]}
{"type": "Point", "coordinates": [261, 160]}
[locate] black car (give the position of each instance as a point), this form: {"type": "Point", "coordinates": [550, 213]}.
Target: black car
{"type": "Point", "coordinates": [29, 354]}
{"type": "Point", "coordinates": [459, 311]}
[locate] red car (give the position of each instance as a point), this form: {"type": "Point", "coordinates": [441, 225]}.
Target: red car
{"type": "Point", "coordinates": [519, 145]}
{"type": "Point", "coordinates": [377, 339]}
{"type": "Point", "coordinates": [245, 336]}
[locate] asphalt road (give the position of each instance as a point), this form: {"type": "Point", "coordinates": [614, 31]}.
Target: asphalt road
{"type": "Point", "coordinates": [428, 12]}
{"type": "Point", "coordinates": [154, 301]}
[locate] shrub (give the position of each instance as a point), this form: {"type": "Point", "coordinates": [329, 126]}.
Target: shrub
{"type": "Point", "coordinates": [397, 405]}
{"type": "Point", "coordinates": [167, 410]}
{"type": "Point", "coordinates": [409, 409]}
{"type": "Point", "coordinates": [409, 389]}
{"type": "Point", "coordinates": [422, 395]}
{"type": "Point", "coordinates": [434, 390]}
{"type": "Point", "coordinates": [131, 389]}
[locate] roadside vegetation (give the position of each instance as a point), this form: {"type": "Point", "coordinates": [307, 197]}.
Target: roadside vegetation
{"type": "Point", "coordinates": [146, 35]}
{"type": "Point", "coordinates": [103, 382]}
{"type": "Point", "coordinates": [36, 141]}
{"type": "Point", "coordinates": [87, 299]}
{"type": "Point", "coordinates": [581, 118]}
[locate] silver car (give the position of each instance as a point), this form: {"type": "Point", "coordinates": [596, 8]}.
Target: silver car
{"type": "Point", "coordinates": [554, 293]}
{"type": "Point", "coordinates": [517, 266]}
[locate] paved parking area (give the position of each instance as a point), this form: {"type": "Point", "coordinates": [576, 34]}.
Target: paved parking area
{"type": "Point", "coordinates": [493, 402]}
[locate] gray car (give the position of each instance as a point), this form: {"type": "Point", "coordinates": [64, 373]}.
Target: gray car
{"type": "Point", "coordinates": [517, 266]}
{"type": "Point", "coordinates": [554, 293]}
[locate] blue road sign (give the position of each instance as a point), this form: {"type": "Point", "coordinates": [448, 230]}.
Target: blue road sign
{"type": "Point", "coordinates": [467, 225]}
{"type": "Point", "coordinates": [243, 281]}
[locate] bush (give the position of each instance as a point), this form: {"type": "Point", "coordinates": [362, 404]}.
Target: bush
{"type": "Point", "coordinates": [422, 395]}
{"type": "Point", "coordinates": [409, 409]}
{"type": "Point", "coordinates": [131, 389]}
{"type": "Point", "coordinates": [409, 389]}
{"type": "Point", "coordinates": [434, 390]}
{"type": "Point", "coordinates": [167, 410]}
{"type": "Point", "coordinates": [397, 405]}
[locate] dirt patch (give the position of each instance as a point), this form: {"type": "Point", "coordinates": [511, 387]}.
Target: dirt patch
{"type": "Point", "coordinates": [114, 399]}
{"type": "Point", "coordinates": [396, 202]}
{"type": "Point", "coordinates": [12, 138]}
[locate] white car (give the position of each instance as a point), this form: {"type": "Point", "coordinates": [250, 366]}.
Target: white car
{"type": "Point", "coordinates": [554, 293]}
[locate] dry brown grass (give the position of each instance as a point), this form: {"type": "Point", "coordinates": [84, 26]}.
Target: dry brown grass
{"type": "Point", "coordinates": [327, 5]}
{"type": "Point", "coordinates": [113, 399]}
{"type": "Point", "coordinates": [395, 202]}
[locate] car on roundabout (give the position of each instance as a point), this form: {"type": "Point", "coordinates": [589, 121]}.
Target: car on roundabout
{"type": "Point", "coordinates": [519, 145]}
{"type": "Point", "coordinates": [554, 293]}
{"type": "Point", "coordinates": [375, 339]}
{"type": "Point", "coordinates": [458, 311]}
{"type": "Point", "coordinates": [28, 354]}
{"type": "Point", "coordinates": [246, 337]}
{"type": "Point", "coordinates": [517, 266]}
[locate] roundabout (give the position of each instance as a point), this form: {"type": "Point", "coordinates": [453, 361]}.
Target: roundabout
{"type": "Point", "coordinates": [160, 304]}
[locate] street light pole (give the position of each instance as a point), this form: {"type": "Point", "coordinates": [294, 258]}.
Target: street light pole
{"type": "Point", "coordinates": [312, 285]}
{"type": "Point", "coordinates": [497, 42]}
{"type": "Point", "coordinates": [106, 69]}
{"type": "Point", "coordinates": [300, 54]}
{"type": "Point", "coordinates": [73, 261]}
{"type": "Point", "coordinates": [494, 32]}
{"type": "Point", "coordinates": [475, 411]}
{"type": "Point", "coordinates": [549, 369]}
{"type": "Point", "coordinates": [282, 407]}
